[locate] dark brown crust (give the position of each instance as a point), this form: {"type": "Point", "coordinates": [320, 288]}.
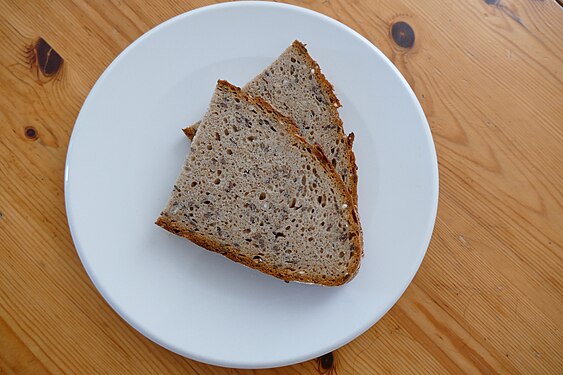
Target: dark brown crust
{"type": "Point", "coordinates": [352, 161]}
{"type": "Point", "coordinates": [329, 89]}
{"type": "Point", "coordinates": [190, 132]}
{"type": "Point", "coordinates": [335, 117]}
{"type": "Point", "coordinates": [232, 253]}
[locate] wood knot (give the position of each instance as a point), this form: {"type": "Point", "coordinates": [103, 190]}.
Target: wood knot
{"type": "Point", "coordinates": [43, 58]}
{"type": "Point", "coordinates": [326, 364]}
{"type": "Point", "coordinates": [403, 34]}
{"type": "Point", "coordinates": [31, 133]}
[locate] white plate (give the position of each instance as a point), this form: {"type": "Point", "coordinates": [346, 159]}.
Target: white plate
{"type": "Point", "coordinates": [127, 148]}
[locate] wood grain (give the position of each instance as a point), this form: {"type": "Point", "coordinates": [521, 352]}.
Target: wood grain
{"type": "Point", "coordinates": [488, 297]}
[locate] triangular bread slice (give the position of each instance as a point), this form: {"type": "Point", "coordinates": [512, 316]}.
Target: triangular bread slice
{"type": "Point", "coordinates": [256, 192]}
{"type": "Point", "coordinates": [295, 86]}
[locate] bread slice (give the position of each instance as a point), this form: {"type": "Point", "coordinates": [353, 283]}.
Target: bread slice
{"type": "Point", "coordinates": [256, 192]}
{"type": "Point", "coordinates": [296, 87]}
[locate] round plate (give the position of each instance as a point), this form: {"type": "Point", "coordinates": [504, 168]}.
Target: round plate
{"type": "Point", "coordinates": [127, 148]}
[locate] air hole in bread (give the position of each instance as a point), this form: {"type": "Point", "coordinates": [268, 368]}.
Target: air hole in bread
{"type": "Point", "coordinates": [278, 235]}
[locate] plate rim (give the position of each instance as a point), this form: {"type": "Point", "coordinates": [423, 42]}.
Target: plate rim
{"type": "Point", "coordinates": [258, 364]}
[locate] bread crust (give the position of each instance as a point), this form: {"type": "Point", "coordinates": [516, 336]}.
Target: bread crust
{"type": "Point", "coordinates": [232, 253]}
{"type": "Point", "coordinates": [190, 132]}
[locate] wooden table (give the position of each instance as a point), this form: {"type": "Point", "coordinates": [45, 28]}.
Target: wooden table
{"type": "Point", "coordinates": [488, 296]}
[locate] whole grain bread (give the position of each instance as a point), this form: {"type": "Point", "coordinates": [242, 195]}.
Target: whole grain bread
{"type": "Point", "coordinates": [256, 192]}
{"type": "Point", "coordinates": [296, 87]}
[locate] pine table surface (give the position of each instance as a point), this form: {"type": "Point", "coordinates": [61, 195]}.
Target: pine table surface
{"type": "Point", "coordinates": [488, 296]}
